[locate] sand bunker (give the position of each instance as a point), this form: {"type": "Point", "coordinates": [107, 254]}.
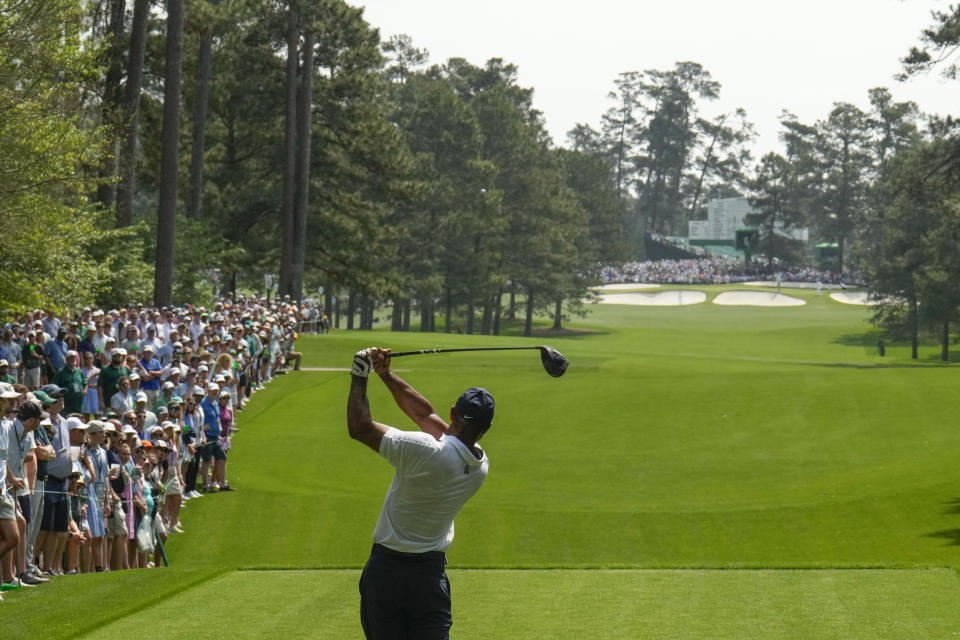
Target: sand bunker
{"type": "Point", "coordinates": [757, 299]}
{"type": "Point", "coordinates": [791, 285]}
{"type": "Point", "coordinates": [627, 286]}
{"type": "Point", "coordinates": [853, 297]}
{"type": "Point", "coordinates": [670, 298]}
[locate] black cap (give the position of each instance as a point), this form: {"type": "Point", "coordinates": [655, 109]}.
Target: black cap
{"type": "Point", "coordinates": [53, 390]}
{"type": "Point", "coordinates": [475, 405]}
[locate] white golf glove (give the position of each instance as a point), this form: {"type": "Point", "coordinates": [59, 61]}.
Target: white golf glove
{"type": "Point", "coordinates": [362, 364]}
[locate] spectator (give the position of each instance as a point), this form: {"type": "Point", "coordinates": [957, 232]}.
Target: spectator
{"type": "Point", "coordinates": [150, 370]}
{"type": "Point", "coordinates": [9, 524]}
{"type": "Point", "coordinates": [14, 355]}
{"type": "Point", "coordinates": [22, 464]}
{"type": "Point", "coordinates": [226, 430]}
{"type": "Point", "coordinates": [33, 361]}
{"type": "Point", "coordinates": [5, 376]}
{"type": "Point", "coordinates": [131, 341]}
{"type": "Point", "coordinates": [211, 428]}
{"type": "Point", "coordinates": [74, 383]}
{"type": "Point", "coordinates": [55, 351]}
{"type": "Point", "coordinates": [121, 402]}
{"type": "Point", "coordinates": [107, 383]}
{"type": "Point", "coordinates": [97, 492]}
{"type": "Point", "coordinates": [91, 400]}
{"type": "Point", "coordinates": [54, 525]}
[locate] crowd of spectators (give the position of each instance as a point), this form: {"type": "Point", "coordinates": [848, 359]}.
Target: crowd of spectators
{"type": "Point", "coordinates": [110, 421]}
{"type": "Point", "coordinates": [719, 270]}
{"type": "Point", "coordinates": [675, 242]}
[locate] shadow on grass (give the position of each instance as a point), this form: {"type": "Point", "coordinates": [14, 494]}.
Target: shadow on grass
{"type": "Point", "coordinates": [869, 342]}
{"type": "Point", "coordinates": [951, 535]}
{"type": "Point", "coordinates": [870, 365]}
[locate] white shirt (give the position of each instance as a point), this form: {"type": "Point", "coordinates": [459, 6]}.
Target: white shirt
{"type": "Point", "coordinates": [122, 402]}
{"type": "Point", "coordinates": [20, 442]}
{"type": "Point", "coordinates": [4, 453]}
{"type": "Point", "coordinates": [434, 479]}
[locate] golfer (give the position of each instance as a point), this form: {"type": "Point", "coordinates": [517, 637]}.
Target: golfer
{"type": "Point", "coordinates": [404, 591]}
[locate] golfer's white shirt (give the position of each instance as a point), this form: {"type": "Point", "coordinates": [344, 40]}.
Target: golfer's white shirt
{"type": "Point", "coordinates": [434, 479]}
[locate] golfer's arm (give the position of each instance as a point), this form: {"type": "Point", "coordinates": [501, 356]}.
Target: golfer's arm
{"type": "Point", "coordinates": [412, 403]}
{"type": "Point", "coordinates": [359, 423]}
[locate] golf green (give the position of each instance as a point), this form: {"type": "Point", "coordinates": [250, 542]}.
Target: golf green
{"type": "Point", "coordinates": [699, 471]}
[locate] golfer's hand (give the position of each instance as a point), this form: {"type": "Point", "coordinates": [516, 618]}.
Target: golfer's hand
{"type": "Point", "coordinates": [381, 362]}
{"type": "Point", "coordinates": [362, 363]}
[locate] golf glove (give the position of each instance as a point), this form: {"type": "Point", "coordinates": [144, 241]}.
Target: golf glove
{"type": "Point", "coordinates": [362, 364]}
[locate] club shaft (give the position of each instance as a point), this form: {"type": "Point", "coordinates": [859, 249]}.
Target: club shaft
{"type": "Point", "coordinates": [423, 351]}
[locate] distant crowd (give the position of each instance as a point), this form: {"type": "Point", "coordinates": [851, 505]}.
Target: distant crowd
{"type": "Point", "coordinates": [112, 420]}
{"type": "Point", "coordinates": [718, 270]}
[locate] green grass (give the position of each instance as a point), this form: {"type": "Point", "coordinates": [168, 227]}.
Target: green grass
{"type": "Point", "coordinates": [596, 604]}
{"type": "Point", "coordinates": [674, 483]}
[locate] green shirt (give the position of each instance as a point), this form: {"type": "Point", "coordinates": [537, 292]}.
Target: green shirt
{"type": "Point", "coordinates": [73, 381]}
{"type": "Point", "coordinates": [109, 377]}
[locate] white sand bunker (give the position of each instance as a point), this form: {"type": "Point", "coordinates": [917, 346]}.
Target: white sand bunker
{"type": "Point", "coordinates": [757, 299]}
{"type": "Point", "coordinates": [853, 297]}
{"type": "Point", "coordinates": [627, 286]}
{"type": "Point", "coordinates": [669, 298]}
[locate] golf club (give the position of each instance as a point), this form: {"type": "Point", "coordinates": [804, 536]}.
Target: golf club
{"type": "Point", "coordinates": [553, 361]}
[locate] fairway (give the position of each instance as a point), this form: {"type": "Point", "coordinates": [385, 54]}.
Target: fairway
{"type": "Point", "coordinates": [702, 471]}
{"type": "Point", "coordinates": [596, 604]}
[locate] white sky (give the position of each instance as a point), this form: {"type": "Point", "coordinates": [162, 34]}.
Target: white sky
{"type": "Point", "coordinates": [768, 55]}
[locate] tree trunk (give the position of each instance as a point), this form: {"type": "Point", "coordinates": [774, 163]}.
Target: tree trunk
{"type": "Point", "coordinates": [406, 315]}
{"type": "Point", "coordinates": [232, 284]}
{"type": "Point", "coordinates": [449, 312]}
{"type": "Point", "coordinates": [512, 311]}
{"type": "Point", "coordinates": [351, 309]}
{"type": "Point", "coordinates": [170, 139]}
{"type": "Point", "coordinates": [202, 98]}
{"type": "Point", "coordinates": [112, 105]}
{"type": "Point", "coordinates": [707, 163]}
{"type": "Point", "coordinates": [304, 126]}
{"type": "Point", "coordinates": [945, 341]}
{"type": "Point", "coordinates": [131, 111]}
{"type": "Point", "coordinates": [287, 215]}
{"type": "Point", "coordinates": [914, 329]}
{"type": "Point", "coordinates": [328, 301]}
{"type": "Point", "coordinates": [428, 322]}
{"type": "Point", "coordinates": [487, 319]}
{"type": "Point", "coordinates": [396, 320]}
{"type": "Point", "coordinates": [497, 307]}
{"type": "Point", "coordinates": [528, 322]}
{"type": "Point", "coordinates": [558, 315]}
{"type": "Point", "coordinates": [471, 310]}
{"type": "Point", "coordinates": [840, 256]}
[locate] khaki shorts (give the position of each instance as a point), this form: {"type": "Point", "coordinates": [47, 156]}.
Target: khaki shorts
{"type": "Point", "coordinates": [8, 506]}
{"type": "Point", "coordinates": [116, 523]}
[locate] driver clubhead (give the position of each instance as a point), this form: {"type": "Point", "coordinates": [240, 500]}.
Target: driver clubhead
{"type": "Point", "coordinates": [553, 361]}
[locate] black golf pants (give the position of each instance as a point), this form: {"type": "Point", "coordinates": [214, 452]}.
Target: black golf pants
{"type": "Point", "coordinates": [405, 596]}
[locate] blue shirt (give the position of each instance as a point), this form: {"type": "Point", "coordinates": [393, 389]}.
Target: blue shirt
{"type": "Point", "coordinates": [151, 365]}
{"type": "Point", "coordinates": [211, 418]}
{"type": "Point", "coordinates": [61, 465]}
{"type": "Point", "coordinates": [56, 352]}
